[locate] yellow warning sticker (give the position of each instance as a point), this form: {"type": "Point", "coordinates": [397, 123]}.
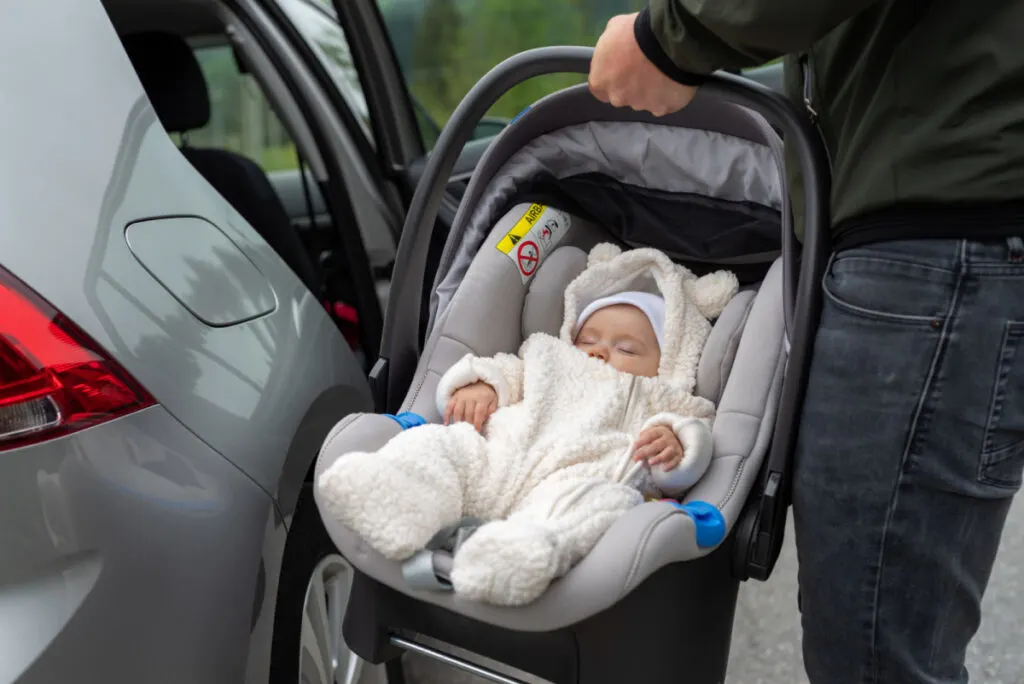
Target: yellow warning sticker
{"type": "Point", "coordinates": [521, 228]}
{"type": "Point", "coordinates": [533, 237]}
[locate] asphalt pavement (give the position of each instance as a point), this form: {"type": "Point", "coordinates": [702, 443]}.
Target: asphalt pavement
{"type": "Point", "coordinates": [766, 640]}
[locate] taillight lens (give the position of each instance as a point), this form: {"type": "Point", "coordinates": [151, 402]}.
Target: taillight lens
{"type": "Point", "coordinates": [54, 379]}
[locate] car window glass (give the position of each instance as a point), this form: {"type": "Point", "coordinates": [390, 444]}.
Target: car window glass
{"type": "Point", "coordinates": [317, 21]}
{"type": "Point", "coordinates": [445, 46]}
{"type": "Point", "coordinates": [241, 118]}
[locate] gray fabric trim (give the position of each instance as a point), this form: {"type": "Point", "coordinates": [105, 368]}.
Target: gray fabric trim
{"type": "Point", "coordinates": [657, 156]}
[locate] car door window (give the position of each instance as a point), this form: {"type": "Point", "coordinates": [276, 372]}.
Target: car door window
{"type": "Point", "coordinates": [317, 21]}
{"type": "Point", "coordinates": [241, 118]}
{"type": "Point", "coordinates": [445, 46]}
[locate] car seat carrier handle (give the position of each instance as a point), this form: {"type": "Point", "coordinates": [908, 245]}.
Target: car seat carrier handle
{"type": "Point", "coordinates": [763, 522]}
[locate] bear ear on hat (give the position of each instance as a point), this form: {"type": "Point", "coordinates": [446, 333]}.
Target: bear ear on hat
{"type": "Point", "coordinates": [603, 253]}
{"type": "Point", "coordinates": [712, 292]}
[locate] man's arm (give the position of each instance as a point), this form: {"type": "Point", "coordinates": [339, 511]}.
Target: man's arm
{"type": "Point", "coordinates": [654, 60]}
{"type": "Point", "coordinates": [687, 39]}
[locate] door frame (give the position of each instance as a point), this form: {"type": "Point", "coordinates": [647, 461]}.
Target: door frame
{"type": "Point", "coordinates": [271, 32]}
{"type": "Point", "coordinates": [400, 142]}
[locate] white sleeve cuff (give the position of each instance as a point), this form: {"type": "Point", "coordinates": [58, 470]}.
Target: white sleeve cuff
{"type": "Point", "coordinates": [466, 371]}
{"type": "Point", "coordinates": [698, 446]}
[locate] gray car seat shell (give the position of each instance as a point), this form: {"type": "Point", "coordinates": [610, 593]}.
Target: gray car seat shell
{"type": "Point", "coordinates": [650, 536]}
{"type": "Point", "coordinates": [653, 599]}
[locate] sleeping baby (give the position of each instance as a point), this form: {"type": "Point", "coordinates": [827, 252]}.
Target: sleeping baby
{"type": "Point", "coordinates": [549, 446]}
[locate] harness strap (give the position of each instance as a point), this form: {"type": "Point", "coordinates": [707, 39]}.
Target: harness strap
{"type": "Point", "coordinates": [430, 568]}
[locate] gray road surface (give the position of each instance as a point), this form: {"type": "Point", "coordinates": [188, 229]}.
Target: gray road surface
{"type": "Point", "coordinates": [766, 641]}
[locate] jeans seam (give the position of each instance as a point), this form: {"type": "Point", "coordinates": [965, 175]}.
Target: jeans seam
{"type": "Point", "coordinates": [912, 440]}
{"type": "Point", "coordinates": [989, 455]}
{"type": "Point", "coordinates": [861, 312]}
{"type": "Point", "coordinates": [891, 261]}
{"type": "Point", "coordinates": [879, 316]}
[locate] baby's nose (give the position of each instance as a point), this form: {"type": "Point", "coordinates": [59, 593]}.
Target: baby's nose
{"type": "Point", "coordinates": [597, 354]}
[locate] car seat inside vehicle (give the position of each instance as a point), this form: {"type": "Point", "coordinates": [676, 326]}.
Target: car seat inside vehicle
{"type": "Point", "coordinates": [655, 597]}
{"type": "Point", "coordinates": [175, 85]}
{"type": "Point", "coordinates": [236, 123]}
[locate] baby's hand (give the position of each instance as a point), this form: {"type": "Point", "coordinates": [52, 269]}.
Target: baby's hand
{"type": "Point", "coordinates": [658, 444]}
{"type": "Point", "coordinates": [472, 403]}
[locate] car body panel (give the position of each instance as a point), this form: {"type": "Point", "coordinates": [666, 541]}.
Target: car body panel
{"type": "Point", "coordinates": [90, 137]}
{"type": "Point", "coordinates": [178, 249]}
{"type": "Point", "coordinates": [117, 541]}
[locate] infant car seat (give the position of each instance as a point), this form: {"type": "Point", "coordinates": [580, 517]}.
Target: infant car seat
{"type": "Point", "coordinates": [655, 598]}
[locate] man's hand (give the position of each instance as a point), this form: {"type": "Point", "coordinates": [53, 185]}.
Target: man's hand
{"type": "Point", "coordinates": [658, 445]}
{"type": "Point", "coordinates": [621, 75]}
{"type": "Point", "coordinates": [472, 403]}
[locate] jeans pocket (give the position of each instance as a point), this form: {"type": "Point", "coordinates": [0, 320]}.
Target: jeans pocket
{"type": "Point", "coordinates": [889, 289]}
{"type": "Point", "coordinates": [1002, 457]}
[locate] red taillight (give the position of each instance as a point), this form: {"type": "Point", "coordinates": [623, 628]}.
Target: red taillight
{"type": "Point", "coordinates": [54, 379]}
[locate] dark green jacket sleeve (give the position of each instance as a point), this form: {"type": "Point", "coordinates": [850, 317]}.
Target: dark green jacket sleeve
{"type": "Point", "coordinates": [687, 39]}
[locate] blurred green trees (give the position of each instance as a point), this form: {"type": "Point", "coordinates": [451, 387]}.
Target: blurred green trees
{"type": "Point", "coordinates": [445, 46]}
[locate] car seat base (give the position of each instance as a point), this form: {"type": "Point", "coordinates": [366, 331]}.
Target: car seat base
{"type": "Point", "coordinates": [676, 624]}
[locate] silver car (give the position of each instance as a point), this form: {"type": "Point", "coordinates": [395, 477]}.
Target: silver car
{"type": "Point", "coordinates": [183, 318]}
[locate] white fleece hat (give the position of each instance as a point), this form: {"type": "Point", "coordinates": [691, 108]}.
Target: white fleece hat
{"type": "Point", "coordinates": [652, 305]}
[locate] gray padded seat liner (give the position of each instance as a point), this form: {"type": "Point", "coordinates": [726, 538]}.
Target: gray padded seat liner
{"type": "Point", "coordinates": [709, 148]}
{"type": "Point", "coordinates": [743, 362]}
{"type": "Point", "coordinates": [486, 314]}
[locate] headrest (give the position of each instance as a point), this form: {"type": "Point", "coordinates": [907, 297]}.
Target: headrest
{"type": "Point", "coordinates": [545, 300]}
{"type": "Point", "coordinates": [172, 79]}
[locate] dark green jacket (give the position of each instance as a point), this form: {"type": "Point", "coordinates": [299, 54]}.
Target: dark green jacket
{"type": "Point", "coordinates": [921, 102]}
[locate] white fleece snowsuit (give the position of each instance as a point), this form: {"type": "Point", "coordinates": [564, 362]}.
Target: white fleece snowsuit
{"type": "Point", "coordinates": [553, 468]}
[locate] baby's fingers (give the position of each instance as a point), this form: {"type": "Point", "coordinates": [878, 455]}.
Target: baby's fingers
{"type": "Point", "coordinates": [480, 413]}
{"type": "Point", "coordinates": [459, 412]}
{"type": "Point", "coordinates": [449, 411]}
{"type": "Point", "coordinates": [646, 437]}
{"type": "Point", "coordinates": [645, 452]}
{"type": "Point", "coordinates": [665, 455]}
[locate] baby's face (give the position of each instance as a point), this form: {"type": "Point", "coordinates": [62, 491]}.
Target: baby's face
{"type": "Point", "coordinates": [621, 336]}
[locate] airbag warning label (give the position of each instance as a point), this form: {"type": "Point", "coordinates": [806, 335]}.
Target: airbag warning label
{"type": "Point", "coordinates": [533, 237]}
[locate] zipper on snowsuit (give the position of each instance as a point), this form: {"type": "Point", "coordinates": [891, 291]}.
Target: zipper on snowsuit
{"type": "Point", "coordinates": [625, 471]}
{"type": "Point", "coordinates": [629, 404]}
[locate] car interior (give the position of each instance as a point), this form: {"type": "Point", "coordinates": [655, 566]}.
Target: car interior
{"type": "Point", "coordinates": [164, 39]}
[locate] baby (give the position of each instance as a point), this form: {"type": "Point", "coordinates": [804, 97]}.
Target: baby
{"type": "Point", "coordinates": [621, 330]}
{"type": "Point", "coordinates": [549, 446]}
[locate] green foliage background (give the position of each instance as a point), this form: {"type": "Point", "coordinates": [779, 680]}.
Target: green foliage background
{"type": "Point", "coordinates": [445, 46]}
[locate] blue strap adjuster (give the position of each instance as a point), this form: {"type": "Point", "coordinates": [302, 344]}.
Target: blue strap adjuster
{"type": "Point", "coordinates": [708, 520]}
{"type": "Point", "coordinates": [407, 419]}
{"type": "Point", "coordinates": [521, 112]}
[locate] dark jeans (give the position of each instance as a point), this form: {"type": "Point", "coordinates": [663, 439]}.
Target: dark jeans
{"type": "Point", "coordinates": [911, 449]}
